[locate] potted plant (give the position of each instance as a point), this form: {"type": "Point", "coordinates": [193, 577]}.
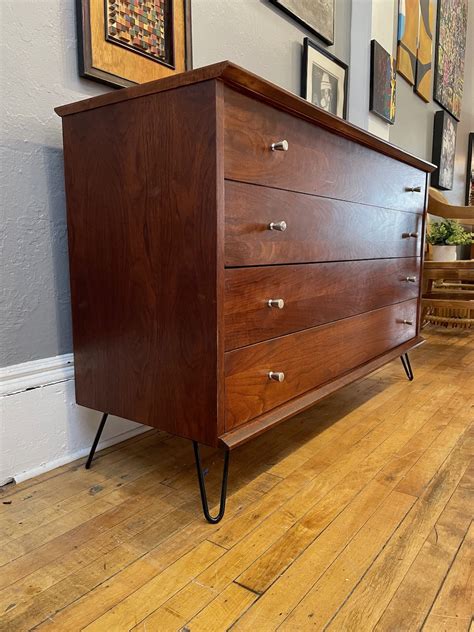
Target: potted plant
{"type": "Point", "coordinates": [443, 238]}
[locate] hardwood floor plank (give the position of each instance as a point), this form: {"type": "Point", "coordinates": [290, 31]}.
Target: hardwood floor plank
{"type": "Point", "coordinates": [311, 520]}
{"type": "Point", "coordinates": [223, 610]}
{"type": "Point", "coordinates": [96, 586]}
{"type": "Point", "coordinates": [174, 613]}
{"type": "Point", "coordinates": [151, 595]}
{"type": "Point", "coordinates": [455, 600]}
{"type": "Point", "coordinates": [322, 601]}
{"type": "Point", "coordinates": [370, 598]}
{"type": "Point", "coordinates": [413, 599]}
{"type": "Point", "coordinates": [386, 461]}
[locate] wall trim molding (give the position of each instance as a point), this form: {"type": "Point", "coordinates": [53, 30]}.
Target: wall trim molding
{"type": "Point", "coordinates": [35, 374]}
{"type": "Point", "coordinates": [73, 456]}
{"type": "Point", "coordinates": [41, 426]}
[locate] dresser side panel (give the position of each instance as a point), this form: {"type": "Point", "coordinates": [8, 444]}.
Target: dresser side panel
{"type": "Point", "coordinates": [141, 180]}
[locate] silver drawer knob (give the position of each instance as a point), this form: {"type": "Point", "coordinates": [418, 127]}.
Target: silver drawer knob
{"type": "Point", "coordinates": [281, 145]}
{"type": "Point", "coordinates": [410, 279]}
{"type": "Point", "coordinates": [276, 302]}
{"type": "Point", "coordinates": [276, 376]}
{"type": "Point", "coordinates": [408, 235]}
{"type": "Point", "coordinates": [407, 322]}
{"type": "Point", "coordinates": [413, 189]}
{"type": "Point", "coordinates": [281, 226]}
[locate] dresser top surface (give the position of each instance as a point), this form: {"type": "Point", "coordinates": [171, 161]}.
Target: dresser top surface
{"type": "Point", "coordinates": [253, 85]}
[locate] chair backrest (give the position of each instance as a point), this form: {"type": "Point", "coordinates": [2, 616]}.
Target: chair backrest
{"type": "Point", "coordinates": [439, 205]}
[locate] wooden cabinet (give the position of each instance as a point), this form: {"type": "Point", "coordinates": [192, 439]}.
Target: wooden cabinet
{"type": "Point", "coordinates": [235, 253]}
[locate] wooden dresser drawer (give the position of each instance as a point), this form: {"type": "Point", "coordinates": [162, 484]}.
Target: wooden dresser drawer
{"type": "Point", "coordinates": [309, 358]}
{"type": "Point", "coordinates": [312, 294]}
{"type": "Point", "coordinates": [317, 228]}
{"type": "Point", "coordinates": [317, 161]}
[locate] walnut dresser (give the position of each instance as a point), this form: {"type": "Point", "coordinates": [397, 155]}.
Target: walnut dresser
{"type": "Point", "coordinates": [236, 254]}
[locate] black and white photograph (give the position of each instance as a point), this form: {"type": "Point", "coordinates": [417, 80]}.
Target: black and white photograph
{"type": "Point", "coordinates": [324, 79]}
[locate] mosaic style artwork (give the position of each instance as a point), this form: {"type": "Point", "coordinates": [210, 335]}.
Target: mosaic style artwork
{"type": "Point", "coordinates": [142, 25]}
{"type": "Point", "coordinates": [425, 50]}
{"type": "Point", "coordinates": [382, 83]}
{"type": "Point", "coordinates": [408, 26]}
{"type": "Point", "coordinates": [450, 52]}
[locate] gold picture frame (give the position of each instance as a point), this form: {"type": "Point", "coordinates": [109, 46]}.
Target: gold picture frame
{"type": "Point", "coordinates": [101, 58]}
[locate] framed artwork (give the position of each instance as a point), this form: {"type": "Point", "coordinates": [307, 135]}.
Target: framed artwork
{"type": "Point", "coordinates": [424, 52]}
{"type": "Point", "coordinates": [382, 82]}
{"type": "Point", "coordinates": [324, 79]}
{"type": "Point", "coordinates": [450, 52]}
{"type": "Point", "coordinates": [444, 150]}
{"type": "Point", "coordinates": [125, 42]}
{"type": "Point", "coordinates": [315, 15]}
{"type": "Point", "coordinates": [470, 171]}
{"type": "Point", "coordinates": [408, 27]}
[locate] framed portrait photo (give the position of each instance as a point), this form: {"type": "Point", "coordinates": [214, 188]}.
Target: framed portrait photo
{"type": "Point", "coordinates": [444, 150]}
{"type": "Point", "coordinates": [324, 79]}
{"type": "Point", "coordinates": [125, 42]}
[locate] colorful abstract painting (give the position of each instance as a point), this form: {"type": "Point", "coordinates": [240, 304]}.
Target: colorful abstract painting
{"type": "Point", "coordinates": [408, 27]}
{"type": "Point", "coordinates": [142, 25]}
{"type": "Point", "coordinates": [444, 150]}
{"type": "Point", "coordinates": [450, 52]}
{"type": "Point", "coordinates": [382, 82]}
{"type": "Point", "coordinates": [424, 53]}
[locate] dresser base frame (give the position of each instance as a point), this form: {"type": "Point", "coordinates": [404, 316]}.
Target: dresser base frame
{"type": "Point", "coordinates": [200, 474]}
{"type": "Point", "coordinates": [197, 456]}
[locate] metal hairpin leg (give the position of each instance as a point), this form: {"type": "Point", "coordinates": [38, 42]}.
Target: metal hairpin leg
{"type": "Point", "coordinates": [202, 485]}
{"type": "Point", "coordinates": [407, 366]}
{"type": "Point", "coordinates": [96, 440]}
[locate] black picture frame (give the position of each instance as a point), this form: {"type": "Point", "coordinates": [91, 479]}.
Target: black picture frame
{"type": "Point", "coordinates": [444, 150]}
{"type": "Point", "coordinates": [300, 19]}
{"type": "Point", "coordinates": [376, 51]}
{"type": "Point", "coordinates": [470, 171]}
{"type": "Point", "coordinates": [308, 47]}
{"type": "Point", "coordinates": [84, 47]}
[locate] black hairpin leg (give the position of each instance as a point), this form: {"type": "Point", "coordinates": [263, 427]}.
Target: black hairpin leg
{"type": "Point", "coordinates": [202, 485]}
{"type": "Point", "coordinates": [407, 366]}
{"type": "Point", "coordinates": [96, 440]}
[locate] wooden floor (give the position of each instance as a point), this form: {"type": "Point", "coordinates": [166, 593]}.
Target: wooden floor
{"type": "Point", "coordinates": [356, 515]}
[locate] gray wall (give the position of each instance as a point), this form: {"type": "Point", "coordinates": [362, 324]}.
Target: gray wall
{"type": "Point", "coordinates": [39, 71]}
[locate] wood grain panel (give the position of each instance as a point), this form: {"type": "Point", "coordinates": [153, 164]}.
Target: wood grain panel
{"type": "Point", "coordinates": [313, 294]}
{"type": "Point", "coordinates": [252, 429]}
{"type": "Point", "coordinates": [259, 88]}
{"type": "Point", "coordinates": [317, 162]}
{"type": "Point", "coordinates": [309, 358]}
{"type": "Point", "coordinates": [318, 229]}
{"type": "Point", "coordinates": [142, 214]}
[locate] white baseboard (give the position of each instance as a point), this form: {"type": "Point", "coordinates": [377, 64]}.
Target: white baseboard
{"type": "Point", "coordinates": [41, 426]}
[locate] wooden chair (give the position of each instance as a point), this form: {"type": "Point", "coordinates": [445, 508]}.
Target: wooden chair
{"type": "Point", "coordinates": [448, 287]}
